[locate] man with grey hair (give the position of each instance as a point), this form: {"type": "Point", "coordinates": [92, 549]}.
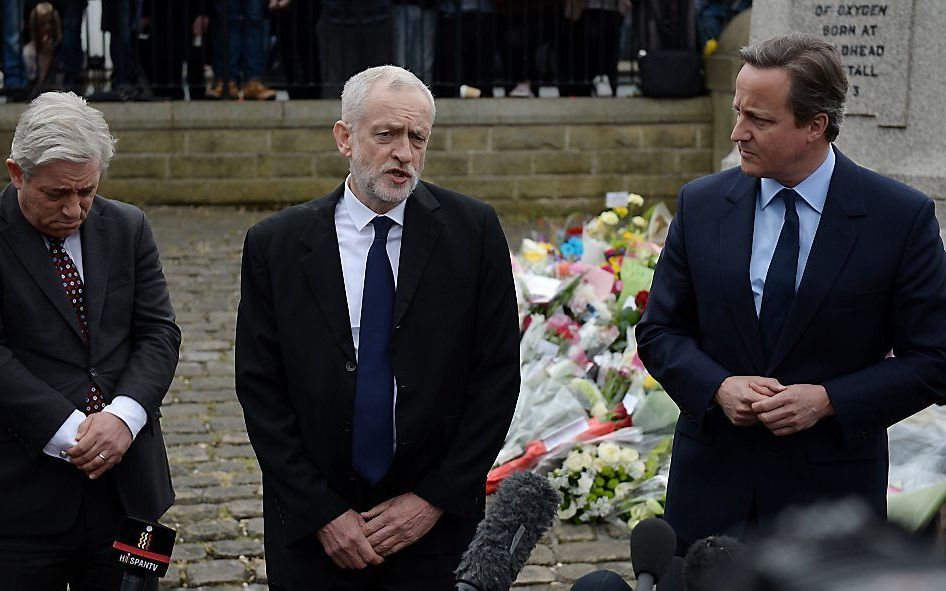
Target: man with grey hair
{"type": "Point", "coordinates": [88, 348]}
{"type": "Point", "coordinates": [783, 288]}
{"type": "Point", "coordinates": [376, 358]}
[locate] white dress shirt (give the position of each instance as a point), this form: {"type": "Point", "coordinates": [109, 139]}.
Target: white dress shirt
{"type": "Point", "coordinates": [126, 408]}
{"type": "Point", "coordinates": [355, 235]}
{"type": "Point", "coordinates": [770, 216]}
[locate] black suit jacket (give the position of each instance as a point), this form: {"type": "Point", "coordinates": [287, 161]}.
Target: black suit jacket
{"type": "Point", "coordinates": [454, 353]}
{"type": "Point", "coordinates": [875, 281]}
{"type": "Point", "coordinates": [45, 367]}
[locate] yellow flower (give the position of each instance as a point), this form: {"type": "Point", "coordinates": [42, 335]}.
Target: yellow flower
{"type": "Point", "coordinates": [621, 211]}
{"type": "Point", "coordinates": [609, 217]}
{"type": "Point", "coordinates": [650, 383]}
{"type": "Point", "coordinates": [639, 221]}
{"type": "Point", "coordinates": [533, 251]}
{"type": "Point", "coordinates": [635, 199]}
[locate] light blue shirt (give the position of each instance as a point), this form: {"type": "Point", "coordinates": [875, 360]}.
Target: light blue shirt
{"type": "Point", "coordinates": [770, 216]}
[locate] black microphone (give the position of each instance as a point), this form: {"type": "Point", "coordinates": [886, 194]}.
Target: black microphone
{"type": "Point", "coordinates": [601, 580]}
{"type": "Point", "coordinates": [522, 510]}
{"type": "Point", "coordinates": [711, 563]}
{"type": "Point", "coordinates": [143, 551]}
{"type": "Point", "coordinates": [653, 544]}
{"type": "Point", "coordinates": [673, 578]}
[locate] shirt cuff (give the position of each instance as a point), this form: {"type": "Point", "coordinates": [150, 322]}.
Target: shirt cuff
{"type": "Point", "coordinates": [128, 410]}
{"type": "Point", "coordinates": [65, 437]}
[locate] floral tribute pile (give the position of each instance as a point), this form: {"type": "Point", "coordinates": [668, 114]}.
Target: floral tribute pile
{"type": "Point", "coordinates": [589, 415]}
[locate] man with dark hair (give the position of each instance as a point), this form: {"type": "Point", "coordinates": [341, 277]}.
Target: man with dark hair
{"type": "Point", "coordinates": [782, 291]}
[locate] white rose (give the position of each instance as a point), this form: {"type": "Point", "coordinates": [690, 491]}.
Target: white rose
{"type": "Point", "coordinates": [639, 221]}
{"type": "Point", "coordinates": [609, 452]}
{"type": "Point", "coordinates": [629, 454]}
{"type": "Point", "coordinates": [635, 469]}
{"type": "Point", "coordinates": [635, 199]}
{"type": "Point", "coordinates": [599, 410]}
{"type": "Point", "coordinates": [573, 463]}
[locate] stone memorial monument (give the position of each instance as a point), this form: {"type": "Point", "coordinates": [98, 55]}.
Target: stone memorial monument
{"type": "Point", "coordinates": [894, 51]}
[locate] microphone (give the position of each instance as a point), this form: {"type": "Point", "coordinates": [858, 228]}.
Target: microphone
{"type": "Point", "coordinates": [711, 563]}
{"type": "Point", "coordinates": [143, 551]}
{"type": "Point", "coordinates": [673, 578]}
{"type": "Point", "coordinates": [653, 544]}
{"type": "Point", "coordinates": [601, 580]}
{"type": "Point", "coordinates": [522, 510]}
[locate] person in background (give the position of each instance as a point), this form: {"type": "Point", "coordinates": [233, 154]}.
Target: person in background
{"type": "Point", "coordinates": [415, 36]}
{"type": "Point", "coordinates": [466, 47]}
{"type": "Point", "coordinates": [353, 35]}
{"type": "Point", "coordinates": [40, 54]}
{"type": "Point", "coordinates": [587, 47]}
{"type": "Point", "coordinates": [14, 78]}
{"type": "Point", "coordinates": [240, 52]}
{"type": "Point", "coordinates": [71, 53]}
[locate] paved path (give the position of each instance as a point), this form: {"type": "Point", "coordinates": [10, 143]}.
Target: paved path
{"type": "Point", "coordinates": [218, 514]}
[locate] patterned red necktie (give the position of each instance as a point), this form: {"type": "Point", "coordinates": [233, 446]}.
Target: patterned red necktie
{"type": "Point", "coordinates": [72, 285]}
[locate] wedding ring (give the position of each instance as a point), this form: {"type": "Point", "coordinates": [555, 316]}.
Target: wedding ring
{"type": "Point", "coordinates": [104, 459]}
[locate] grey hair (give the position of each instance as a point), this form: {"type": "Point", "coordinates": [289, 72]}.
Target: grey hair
{"type": "Point", "coordinates": [61, 126]}
{"type": "Point", "coordinates": [358, 86]}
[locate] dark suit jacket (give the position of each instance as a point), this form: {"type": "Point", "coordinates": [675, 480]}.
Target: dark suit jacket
{"type": "Point", "coordinates": [875, 282]}
{"type": "Point", "coordinates": [454, 353]}
{"type": "Point", "coordinates": [45, 367]}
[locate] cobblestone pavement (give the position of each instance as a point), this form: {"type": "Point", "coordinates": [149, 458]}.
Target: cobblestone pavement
{"type": "Point", "coordinates": [218, 514]}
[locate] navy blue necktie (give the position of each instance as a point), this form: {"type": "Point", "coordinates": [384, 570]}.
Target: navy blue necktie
{"type": "Point", "coordinates": [373, 429]}
{"type": "Point", "coordinates": [779, 292]}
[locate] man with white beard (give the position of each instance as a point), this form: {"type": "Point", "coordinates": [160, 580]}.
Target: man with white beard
{"type": "Point", "coordinates": [376, 359]}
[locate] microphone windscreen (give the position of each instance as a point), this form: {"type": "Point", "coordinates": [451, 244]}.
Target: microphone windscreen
{"type": "Point", "coordinates": [143, 548]}
{"type": "Point", "coordinates": [673, 578]}
{"type": "Point", "coordinates": [601, 580]}
{"type": "Point", "coordinates": [522, 510]}
{"type": "Point", "coordinates": [711, 562]}
{"type": "Point", "coordinates": [653, 544]}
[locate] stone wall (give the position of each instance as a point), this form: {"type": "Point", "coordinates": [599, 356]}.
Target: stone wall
{"type": "Point", "coordinates": [546, 156]}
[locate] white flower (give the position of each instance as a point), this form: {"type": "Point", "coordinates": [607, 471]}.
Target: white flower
{"type": "Point", "coordinates": [573, 463]}
{"type": "Point", "coordinates": [635, 469]}
{"type": "Point", "coordinates": [639, 221]}
{"type": "Point", "coordinates": [622, 489]}
{"type": "Point", "coordinates": [629, 454]}
{"type": "Point", "coordinates": [635, 199]}
{"type": "Point", "coordinates": [599, 410]}
{"type": "Point", "coordinates": [609, 452]}
{"type": "Point", "coordinates": [609, 217]}
{"type": "Point", "coordinates": [585, 482]}
{"type": "Point", "coordinates": [558, 480]}
{"type": "Point", "coordinates": [568, 512]}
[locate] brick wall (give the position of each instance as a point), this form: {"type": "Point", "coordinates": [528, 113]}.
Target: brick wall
{"type": "Point", "coordinates": [524, 156]}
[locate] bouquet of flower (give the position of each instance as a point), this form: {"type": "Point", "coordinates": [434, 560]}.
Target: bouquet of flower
{"type": "Point", "coordinates": [610, 481]}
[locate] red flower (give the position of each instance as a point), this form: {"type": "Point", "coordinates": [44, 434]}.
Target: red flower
{"type": "Point", "coordinates": [640, 300]}
{"type": "Point", "coordinates": [574, 231]}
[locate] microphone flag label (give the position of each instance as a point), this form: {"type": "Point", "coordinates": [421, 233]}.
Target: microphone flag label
{"type": "Point", "coordinates": [143, 548]}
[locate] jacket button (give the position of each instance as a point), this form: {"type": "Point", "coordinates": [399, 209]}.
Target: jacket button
{"type": "Point", "coordinates": [347, 426]}
{"type": "Point", "coordinates": [93, 372]}
{"type": "Point", "coordinates": [350, 366]}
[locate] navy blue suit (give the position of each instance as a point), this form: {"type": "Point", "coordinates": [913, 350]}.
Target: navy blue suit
{"type": "Point", "coordinates": [875, 282]}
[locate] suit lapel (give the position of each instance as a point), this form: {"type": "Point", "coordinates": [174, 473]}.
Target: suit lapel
{"type": "Point", "coordinates": [735, 250]}
{"type": "Point", "coordinates": [28, 245]}
{"type": "Point", "coordinates": [421, 229]}
{"type": "Point", "coordinates": [322, 268]}
{"type": "Point", "coordinates": [837, 234]}
{"type": "Point", "coordinates": [96, 256]}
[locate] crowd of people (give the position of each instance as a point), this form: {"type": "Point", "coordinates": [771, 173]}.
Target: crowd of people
{"type": "Point", "coordinates": [246, 48]}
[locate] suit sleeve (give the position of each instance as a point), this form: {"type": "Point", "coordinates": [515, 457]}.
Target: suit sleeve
{"type": "Point", "coordinates": [458, 482]}
{"type": "Point", "coordinates": [878, 396]}
{"type": "Point", "coordinates": [156, 339]}
{"type": "Point", "coordinates": [304, 501]}
{"type": "Point", "coordinates": [667, 333]}
{"type": "Point", "coordinates": [29, 407]}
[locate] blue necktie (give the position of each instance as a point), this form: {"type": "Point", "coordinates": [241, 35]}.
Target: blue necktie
{"type": "Point", "coordinates": [779, 292]}
{"type": "Point", "coordinates": [373, 429]}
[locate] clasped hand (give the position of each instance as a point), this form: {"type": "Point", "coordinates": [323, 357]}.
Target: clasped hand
{"type": "Point", "coordinates": [748, 400]}
{"type": "Point", "coordinates": [103, 439]}
{"type": "Point", "coordinates": [355, 540]}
